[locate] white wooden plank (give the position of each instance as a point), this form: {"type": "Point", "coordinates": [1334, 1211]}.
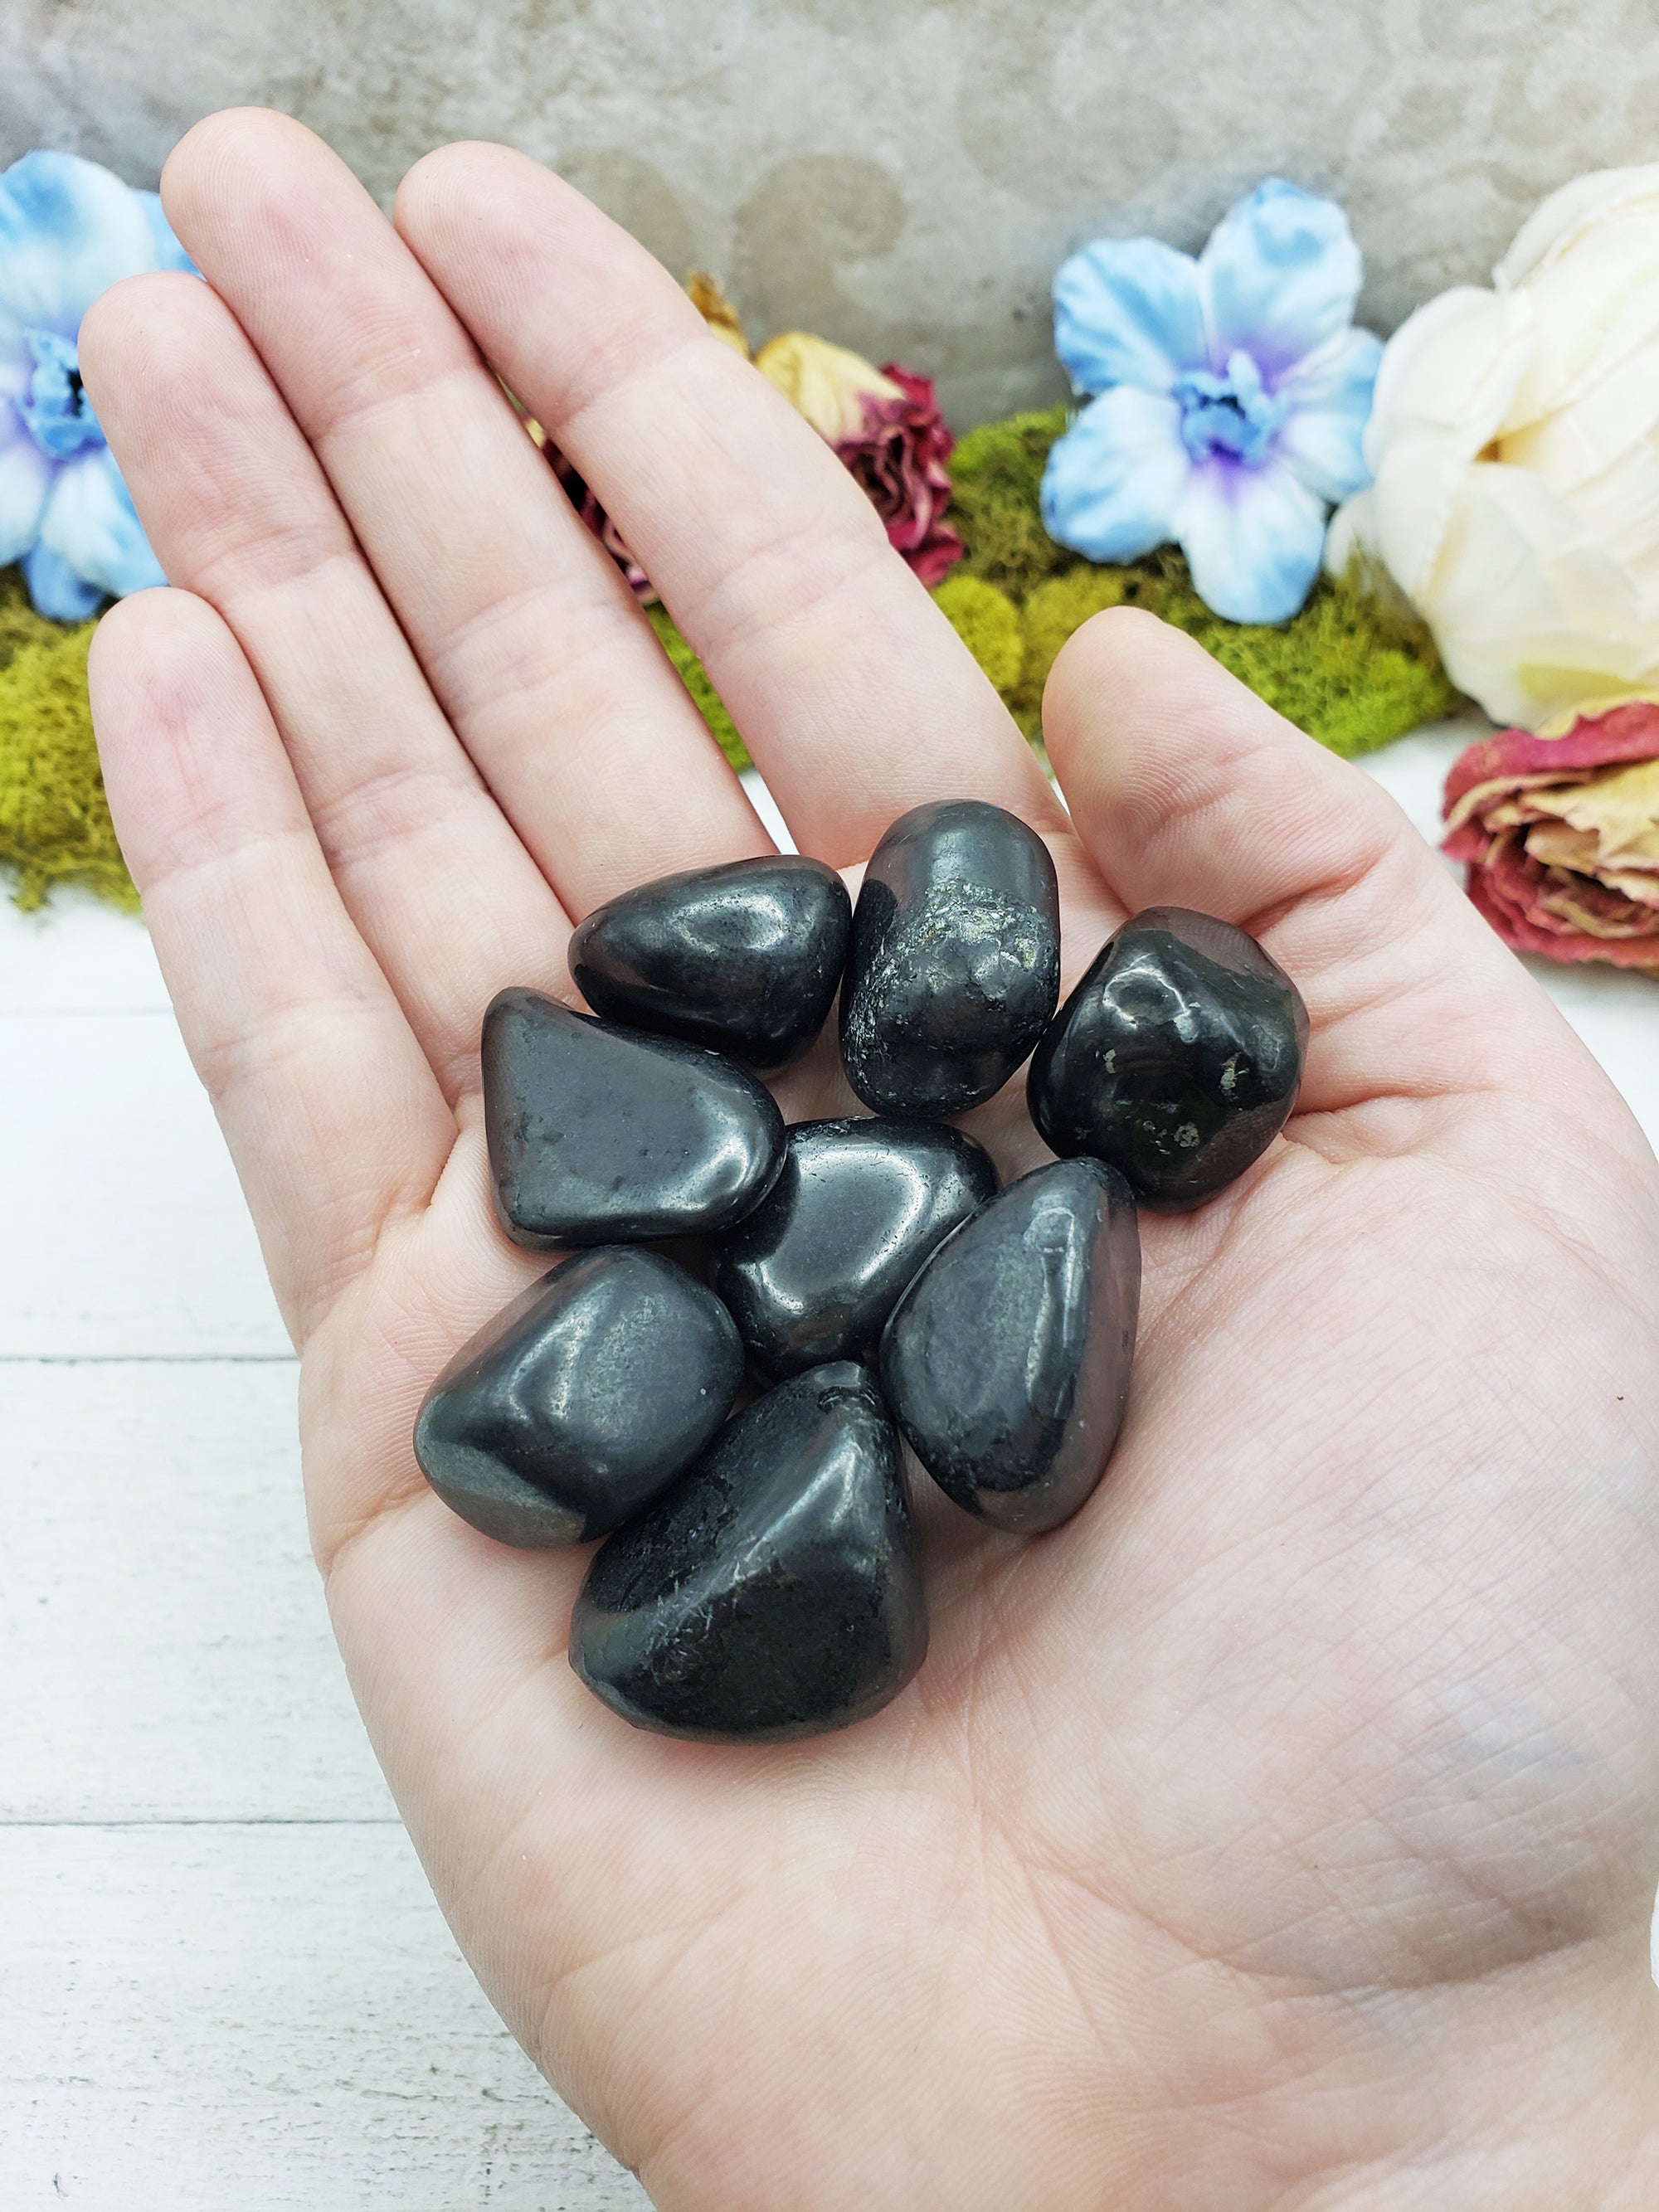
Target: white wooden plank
{"type": "Point", "coordinates": [76, 955]}
{"type": "Point", "coordinates": [165, 1652]}
{"type": "Point", "coordinates": [767, 807]}
{"type": "Point", "coordinates": [125, 1229]}
{"type": "Point", "coordinates": [275, 2020]}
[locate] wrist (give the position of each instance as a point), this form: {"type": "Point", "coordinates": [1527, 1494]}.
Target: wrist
{"type": "Point", "coordinates": [1535, 2090]}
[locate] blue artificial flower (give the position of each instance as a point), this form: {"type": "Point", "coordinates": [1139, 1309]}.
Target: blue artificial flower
{"type": "Point", "coordinates": [67, 230]}
{"type": "Point", "coordinates": [1233, 392]}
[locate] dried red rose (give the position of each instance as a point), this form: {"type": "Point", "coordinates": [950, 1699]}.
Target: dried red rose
{"type": "Point", "coordinates": [886, 428]}
{"type": "Point", "coordinates": [1561, 837]}
{"type": "Point", "coordinates": [900, 462]}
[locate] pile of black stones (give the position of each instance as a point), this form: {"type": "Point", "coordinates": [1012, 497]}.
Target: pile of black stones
{"type": "Point", "coordinates": [758, 1580]}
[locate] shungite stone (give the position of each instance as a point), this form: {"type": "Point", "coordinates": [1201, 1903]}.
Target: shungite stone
{"type": "Point", "coordinates": [581, 1399]}
{"type": "Point", "coordinates": [1006, 1362]}
{"type": "Point", "coordinates": [954, 969]}
{"type": "Point", "coordinates": [773, 1592]}
{"type": "Point", "coordinates": [601, 1135]}
{"type": "Point", "coordinates": [815, 1270]}
{"type": "Point", "coordinates": [1178, 1058]}
{"type": "Point", "coordinates": [744, 958]}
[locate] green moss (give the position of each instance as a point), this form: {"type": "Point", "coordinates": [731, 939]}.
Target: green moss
{"type": "Point", "coordinates": [704, 697]}
{"type": "Point", "coordinates": [995, 472]}
{"type": "Point", "coordinates": [54, 818]}
{"type": "Point", "coordinates": [1355, 668]}
{"type": "Point", "coordinates": [989, 624]}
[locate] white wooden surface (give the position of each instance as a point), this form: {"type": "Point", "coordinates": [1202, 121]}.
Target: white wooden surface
{"type": "Point", "coordinates": [223, 1982]}
{"type": "Point", "coordinates": [224, 1985]}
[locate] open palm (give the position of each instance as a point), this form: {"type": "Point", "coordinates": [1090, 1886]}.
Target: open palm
{"type": "Point", "coordinates": [1282, 1830]}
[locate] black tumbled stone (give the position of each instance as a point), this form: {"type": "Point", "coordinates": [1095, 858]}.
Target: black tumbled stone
{"type": "Point", "coordinates": [744, 958]}
{"type": "Point", "coordinates": [1178, 1058]}
{"type": "Point", "coordinates": [812, 1273]}
{"type": "Point", "coordinates": [601, 1135]}
{"type": "Point", "coordinates": [1006, 1362]}
{"type": "Point", "coordinates": [581, 1399]}
{"type": "Point", "coordinates": [773, 1592]}
{"type": "Point", "coordinates": [954, 967]}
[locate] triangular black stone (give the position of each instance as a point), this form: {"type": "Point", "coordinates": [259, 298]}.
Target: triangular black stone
{"type": "Point", "coordinates": [601, 1135]}
{"type": "Point", "coordinates": [774, 1591]}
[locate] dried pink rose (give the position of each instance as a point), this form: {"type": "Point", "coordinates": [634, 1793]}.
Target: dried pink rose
{"type": "Point", "coordinates": [886, 428]}
{"type": "Point", "coordinates": [1561, 835]}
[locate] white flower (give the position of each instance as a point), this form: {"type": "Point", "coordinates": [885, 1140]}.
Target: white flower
{"type": "Point", "coordinates": [1515, 446]}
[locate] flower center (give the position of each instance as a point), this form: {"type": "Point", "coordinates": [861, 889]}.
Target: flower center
{"type": "Point", "coordinates": [56, 411]}
{"type": "Point", "coordinates": [1233, 414]}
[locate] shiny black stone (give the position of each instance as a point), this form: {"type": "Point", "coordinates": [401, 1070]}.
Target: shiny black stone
{"type": "Point", "coordinates": [600, 1135]}
{"type": "Point", "coordinates": [773, 1592]}
{"type": "Point", "coordinates": [815, 1270]}
{"type": "Point", "coordinates": [1006, 1362]}
{"type": "Point", "coordinates": [744, 958]}
{"type": "Point", "coordinates": [954, 970]}
{"type": "Point", "coordinates": [1178, 1058]}
{"type": "Point", "coordinates": [581, 1399]}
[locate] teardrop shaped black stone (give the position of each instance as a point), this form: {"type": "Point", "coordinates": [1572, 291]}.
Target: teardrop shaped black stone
{"type": "Point", "coordinates": [1006, 1362]}
{"type": "Point", "coordinates": [812, 1273]}
{"type": "Point", "coordinates": [601, 1135]}
{"type": "Point", "coordinates": [774, 1591]}
{"type": "Point", "coordinates": [745, 957]}
{"type": "Point", "coordinates": [581, 1399]}
{"type": "Point", "coordinates": [1178, 1058]}
{"type": "Point", "coordinates": [954, 969]}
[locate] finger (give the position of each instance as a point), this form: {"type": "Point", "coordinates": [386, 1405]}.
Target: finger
{"type": "Point", "coordinates": [1189, 791]}
{"type": "Point", "coordinates": [853, 692]}
{"type": "Point", "coordinates": [241, 513]}
{"type": "Point", "coordinates": [333, 1118]}
{"type": "Point", "coordinates": [530, 640]}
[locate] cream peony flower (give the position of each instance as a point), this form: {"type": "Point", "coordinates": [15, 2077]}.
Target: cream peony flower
{"type": "Point", "coordinates": [1515, 448]}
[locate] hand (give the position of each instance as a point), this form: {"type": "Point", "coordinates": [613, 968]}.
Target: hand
{"type": "Point", "coordinates": [1279, 1832]}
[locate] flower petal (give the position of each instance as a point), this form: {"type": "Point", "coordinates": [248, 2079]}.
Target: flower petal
{"type": "Point", "coordinates": [827, 384]}
{"type": "Point", "coordinates": [1253, 538]}
{"type": "Point", "coordinates": [1330, 397]}
{"type": "Point", "coordinates": [169, 254]}
{"type": "Point", "coordinates": [1448, 376]}
{"type": "Point", "coordinates": [1282, 273]}
{"type": "Point", "coordinates": [1114, 481]}
{"type": "Point", "coordinates": [1531, 613]}
{"type": "Point", "coordinates": [16, 367]}
{"type": "Point", "coordinates": [55, 589]}
{"type": "Point", "coordinates": [25, 480]}
{"type": "Point", "coordinates": [1596, 307]}
{"type": "Point", "coordinates": [90, 523]}
{"type": "Point", "coordinates": [1558, 223]}
{"type": "Point", "coordinates": [1351, 534]}
{"type": "Point", "coordinates": [1129, 311]}
{"type": "Point", "coordinates": [67, 230]}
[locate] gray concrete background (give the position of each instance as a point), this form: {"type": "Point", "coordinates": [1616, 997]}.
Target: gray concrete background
{"type": "Point", "coordinates": [903, 177]}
